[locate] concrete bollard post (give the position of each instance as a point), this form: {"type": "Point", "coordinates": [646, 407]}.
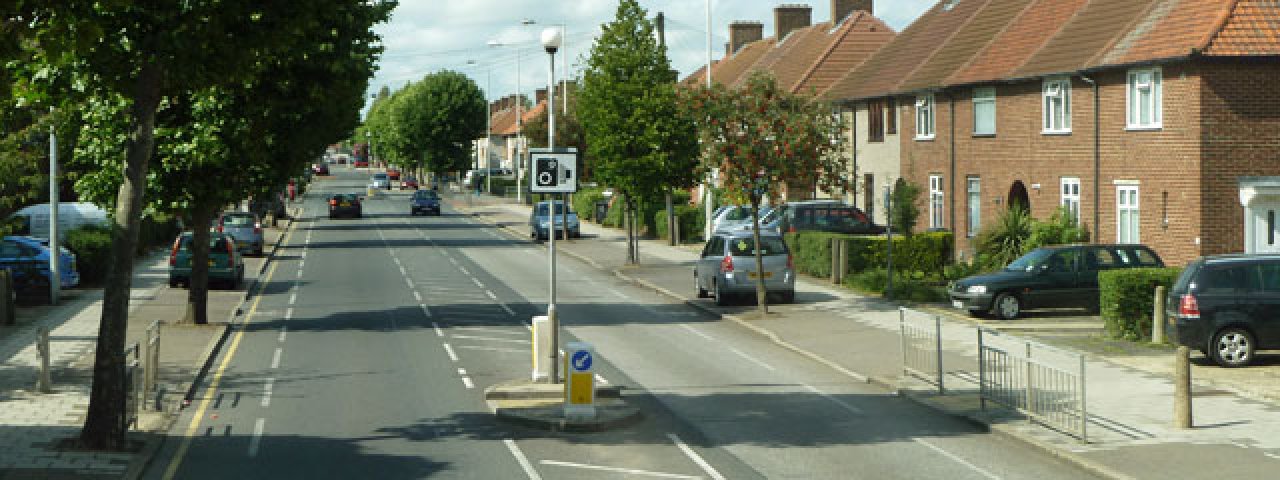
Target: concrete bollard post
{"type": "Point", "coordinates": [7, 313]}
{"type": "Point", "coordinates": [44, 383]}
{"type": "Point", "coordinates": [1182, 388]}
{"type": "Point", "coordinates": [835, 257]}
{"type": "Point", "coordinates": [844, 260]}
{"type": "Point", "coordinates": [1157, 315]}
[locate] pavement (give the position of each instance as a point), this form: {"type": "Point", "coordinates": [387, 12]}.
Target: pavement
{"type": "Point", "coordinates": [34, 425]}
{"type": "Point", "coordinates": [1129, 388]}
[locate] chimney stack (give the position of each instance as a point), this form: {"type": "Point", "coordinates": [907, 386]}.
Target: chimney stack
{"type": "Point", "coordinates": [742, 33]}
{"type": "Point", "coordinates": [790, 17]}
{"type": "Point", "coordinates": [539, 96]}
{"type": "Point", "coordinates": [843, 8]}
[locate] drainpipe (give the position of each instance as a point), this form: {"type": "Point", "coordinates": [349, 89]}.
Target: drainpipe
{"type": "Point", "coordinates": [1097, 161]}
{"type": "Point", "coordinates": [951, 179]}
{"type": "Point", "coordinates": [853, 148]}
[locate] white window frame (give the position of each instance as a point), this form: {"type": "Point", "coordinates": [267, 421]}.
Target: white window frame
{"type": "Point", "coordinates": [936, 202]}
{"type": "Point", "coordinates": [974, 189]}
{"type": "Point", "coordinates": [1056, 102]}
{"type": "Point", "coordinates": [984, 97]}
{"type": "Point", "coordinates": [1070, 196]}
{"type": "Point", "coordinates": [925, 117]}
{"type": "Point", "coordinates": [1129, 212]}
{"type": "Point", "coordinates": [1135, 91]}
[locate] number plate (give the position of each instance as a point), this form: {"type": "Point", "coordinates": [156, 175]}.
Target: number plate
{"type": "Point", "coordinates": [345, 204]}
{"type": "Point", "coordinates": [957, 304]}
{"type": "Point", "coordinates": [754, 275]}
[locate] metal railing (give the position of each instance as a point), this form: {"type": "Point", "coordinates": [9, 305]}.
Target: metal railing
{"type": "Point", "coordinates": [922, 347]}
{"type": "Point", "coordinates": [132, 383]}
{"type": "Point", "coordinates": [151, 365]}
{"type": "Point", "coordinates": [1044, 383]}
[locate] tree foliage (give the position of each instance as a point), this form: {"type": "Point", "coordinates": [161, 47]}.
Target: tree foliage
{"type": "Point", "coordinates": [429, 124]}
{"type": "Point", "coordinates": [762, 138]}
{"type": "Point", "coordinates": [569, 132]}
{"type": "Point", "coordinates": [641, 141]}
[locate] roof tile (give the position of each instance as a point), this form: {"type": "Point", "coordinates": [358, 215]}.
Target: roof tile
{"type": "Point", "coordinates": [966, 43]}
{"type": "Point", "coordinates": [1253, 28]}
{"type": "Point", "coordinates": [1023, 36]}
{"type": "Point", "coordinates": [1085, 36]}
{"type": "Point", "coordinates": [853, 42]}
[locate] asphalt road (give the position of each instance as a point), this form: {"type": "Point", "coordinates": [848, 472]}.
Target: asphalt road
{"type": "Point", "coordinates": [368, 352]}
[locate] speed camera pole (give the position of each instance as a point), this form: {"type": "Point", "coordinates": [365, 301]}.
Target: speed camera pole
{"type": "Point", "coordinates": [551, 39]}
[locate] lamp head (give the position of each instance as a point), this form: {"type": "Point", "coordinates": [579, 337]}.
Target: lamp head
{"type": "Point", "coordinates": [551, 39]}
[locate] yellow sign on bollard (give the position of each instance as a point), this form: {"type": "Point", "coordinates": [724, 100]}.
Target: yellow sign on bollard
{"type": "Point", "coordinates": [580, 382]}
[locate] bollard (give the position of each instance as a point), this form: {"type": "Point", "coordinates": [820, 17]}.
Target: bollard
{"type": "Point", "coordinates": [1182, 388]}
{"type": "Point", "coordinates": [1157, 316]}
{"type": "Point", "coordinates": [844, 260]}
{"type": "Point", "coordinates": [7, 314]}
{"type": "Point", "coordinates": [542, 349]}
{"type": "Point", "coordinates": [44, 384]}
{"type": "Point", "coordinates": [835, 257]}
{"type": "Point", "coordinates": [676, 229]}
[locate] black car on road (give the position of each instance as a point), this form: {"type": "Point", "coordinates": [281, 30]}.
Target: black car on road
{"type": "Point", "coordinates": [1062, 276]}
{"type": "Point", "coordinates": [426, 202]}
{"type": "Point", "coordinates": [345, 205]}
{"type": "Point", "coordinates": [1227, 307]}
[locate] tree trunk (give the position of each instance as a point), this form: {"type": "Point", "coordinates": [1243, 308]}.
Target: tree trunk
{"type": "Point", "coordinates": [198, 284]}
{"type": "Point", "coordinates": [762, 295]}
{"type": "Point", "coordinates": [671, 222]}
{"type": "Point", "coordinates": [629, 218]}
{"type": "Point", "coordinates": [104, 422]}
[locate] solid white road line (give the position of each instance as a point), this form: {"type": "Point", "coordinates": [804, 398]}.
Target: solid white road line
{"type": "Point", "coordinates": [451, 260]}
{"type": "Point", "coordinates": [491, 339]}
{"type": "Point", "coordinates": [466, 381]}
{"type": "Point", "coordinates": [283, 330]}
{"type": "Point", "coordinates": [448, 349]}
{"type": "Point", "coordinates": [852, 409]}
{"type": "Point", "coordinates": [601, 380]}
{"type": "Point", "coordinates": [302, 264]}
{"type": "Point", "coordinates": [293, 298]}
{"type": "Point", "coordinates": [256, 440]}
{"type": "Point", "coordinates": [628, 471]}
{"type": "Point", "coordinates": [436, 326]}
{"type": "Point", "coordinates": [409, 283]}
{"type": "Point", "coordinates": [494, 349]}
{"type": "Point", "coordinates": [417, 296]}
{"type": "Point", "coordinates": [619, 294]}
{"type": "Point", "coordinates": [521, 459]}
{"type": "Point", "coordinates": [403, 272]}
{"type": "Point", "coordinates": [688, 452]}
{"type": "Point", "coordinates": [288, 313]}
{"type": "Point", "coordinates": [492, 330]}
{"type": "Point", "coordinates": [490, 294]}
{"type": "Point", "coordinates": [959, 460]}
{"type": "Point", "coordinates": [275, 359]}
{"type": "Point", "coordinates": [266, 392]}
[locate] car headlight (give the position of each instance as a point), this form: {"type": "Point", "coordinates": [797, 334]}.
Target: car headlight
{"type": "Point", "coordinates": [976, 289]}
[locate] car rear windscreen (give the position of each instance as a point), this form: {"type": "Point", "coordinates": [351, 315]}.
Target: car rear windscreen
{"type": "Point", "coordinates": [237, 220]}
{"type": "Point", "coordinates": [741, 247]}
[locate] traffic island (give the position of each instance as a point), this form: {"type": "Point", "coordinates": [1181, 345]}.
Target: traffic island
{"type": "Point", "coordinates": [541, 406]}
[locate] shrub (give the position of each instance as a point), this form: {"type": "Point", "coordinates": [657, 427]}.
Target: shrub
{"type": "Point", "coordinates": [904, 210]}
{"type": "Point", "coordinates": [957, 271]}
{"type": "Point", "coordinates": [157, 230]}
{"type": "Point", "coordinates": [905, 286]}
{"type": "Point", "coordinates": [691, 222]}
{"type": "Point", "coordinates": [92, 247]}
{"type": "Point", "coordinates": [1061, 228]}
{"type": "Point", "coordinates": [1003, 241]}
{"type": "Point", "coordinates": [921, 253]}
{"type": "Point", "coordinates": [1125, 299]}
{"type": "Point", "coordinates": [584, 202]}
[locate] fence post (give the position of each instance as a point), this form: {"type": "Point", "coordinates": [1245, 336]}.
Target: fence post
{"type": "Point", "coordinates": [44, 384]}
{"type": "Point", "coordinates": [1182, 388]}
{"type": "Point", "coordinates": [1157, 315]}
{"type": "Point", "coordinates": [1084, 410]}
{"type": "Point", "coordinates": [937, 336]}
{"type": "Point", "coordinates": [844, 259]}
{"type": "Point", "coordinates": [1031, 396]}
{"type": "Point", "coordinates": [982, 372]}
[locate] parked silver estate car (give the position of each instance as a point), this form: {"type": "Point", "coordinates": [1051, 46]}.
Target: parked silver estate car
{"type": "Point", "coordinates": [727, 267]}
{"type": "Point", "coordinates": [734, 217]}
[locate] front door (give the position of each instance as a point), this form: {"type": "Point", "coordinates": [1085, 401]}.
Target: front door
{"type": "Point", "coordinates": [1266, 232]}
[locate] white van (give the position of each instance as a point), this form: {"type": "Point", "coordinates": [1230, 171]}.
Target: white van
{"type": "Point", "coordinates": [71, 215]}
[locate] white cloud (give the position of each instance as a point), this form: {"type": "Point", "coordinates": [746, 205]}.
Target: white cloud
{"type": "Point", "coordinates": [425, 36]}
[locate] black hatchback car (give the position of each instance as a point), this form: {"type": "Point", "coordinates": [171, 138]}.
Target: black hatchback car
{"type": "Point", "coordinates": [1062, 276]}
{"type": "Point", "coordinates": [1227, 307]}
{"type": "Point", "coordinates": [345, 205]}
{"type": "Point", "coordinates": [426, 202]}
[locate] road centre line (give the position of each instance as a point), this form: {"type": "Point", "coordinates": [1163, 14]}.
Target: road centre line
{"type": "Point", "coordinates": [628, 471]}
{"type": "Point", "coordinates": [734, 350]}
{"type": "Point", "coordinates": [256, 440]}
{"type": "Point", "coordinates": [491, 339]}
{"type": "Point", "coordinates": [852, 409]}
{"type": "Point", "coordinates": [266, 391]}
{"type": "Point", "coordinates": [449, 349]}
{"type": "Point", "coordinates": [957, 459]}
{"type": "Point", "coordinates": [688, 452]}
{"type": "Point", "coordinates": [283, 331]}
{"type": "Point", "coordinates": [521, 459]}
{"type": "Point", "coordinates": [417, 296]}
{"type": "Point", "coordinates": [490, 294]}
{"type": "Point", "coordinates": [275, 359]}
{"type": "Point", "coordinates": [492, 330]}
{"type": "Point", "coordinates": [426, 311]}
{"type": "Point", "coordinates": [293, 298]}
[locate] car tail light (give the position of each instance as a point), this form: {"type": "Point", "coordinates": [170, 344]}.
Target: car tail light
{"type": "Point", "coordinates": [726, 265]}
{"type": "Point", "coordinates": [257, 228]}
{"type": "Point", "coordinates": [173, 254]}
{"type": "Point", "coordinates": [1189, 307]}
{"type": "Point", "coordinates": [791, 229]}
{"type": "Point", "coordinates": [333, 202]}
{"type": "Point", "coordinates": [219, 228]}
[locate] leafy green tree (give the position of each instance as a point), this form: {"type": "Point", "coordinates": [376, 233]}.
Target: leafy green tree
{"type": "Point", "coordinates": [134, 56]}
{"type": "Point", "coordinates": [905, 211]}
{"type": "Point", "coordinates": [569, 132]}
{"type": "Point", "coordinates": [762, 138]}
{"type": "Point", "coordinates": [643, 144]}
{"type": "Point", "coordinates": [434, 121]}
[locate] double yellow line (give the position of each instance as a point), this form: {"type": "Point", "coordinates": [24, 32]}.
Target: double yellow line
{"type": "Point", "coordinates": [212, 391]}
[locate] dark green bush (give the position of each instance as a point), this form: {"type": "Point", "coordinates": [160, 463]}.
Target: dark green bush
{"type": "Point", "coordinates": [584, 202]}
{"type": "Point", "coordinates": [1125, 298]}
{"type": "Point", "coordinates": [905, 286]}
{"type": "Point", "coordinates": [157, 230]}
{"type": "Point", "coordinates": [924, 253]}
{"type": "Point", "coordinates": [811, 252]}
{"type": "Point", "coordinates": [92, 247]}
{"type": "Point", "coordinates": [691, 220]}
{"type": "Point", "coordinates": [1061, 228]}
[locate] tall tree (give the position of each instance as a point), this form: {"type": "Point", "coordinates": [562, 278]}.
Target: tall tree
{"type": "Point", "coordinates": [435, 120]}
{"type": "Point", "coordinates": [762, 138]}
{"type": "Point", "coordinates": [642, 142]}
{"type": "Point", "coordinates": [142, 53]}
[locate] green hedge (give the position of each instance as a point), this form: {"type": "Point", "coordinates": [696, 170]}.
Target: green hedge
{"type": "Point", "coordinates": [905, 287]}
{"type": "Point", "coordinates": [691, 220]}
{"type": "Point", "coordinates": [157, 230]}
{"type": "Point", "coordinates": [1126, 296]}
{"type": "Point", "coordinates": [92, 247]}
{"type": "Point", "coordinates": [923, 252]}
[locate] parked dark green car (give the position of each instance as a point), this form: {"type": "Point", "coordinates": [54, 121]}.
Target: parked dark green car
{"type": "Point", "coordinates": [1063, 276]}
{"type": "Point", "coordinates": [226, 266]}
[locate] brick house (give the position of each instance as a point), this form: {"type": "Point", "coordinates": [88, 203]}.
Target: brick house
{"type": "Point", "coordinates": [1154, 121]}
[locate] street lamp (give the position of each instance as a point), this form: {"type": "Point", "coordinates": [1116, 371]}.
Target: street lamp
{"type": "Point", "coordinates": [551, 41]}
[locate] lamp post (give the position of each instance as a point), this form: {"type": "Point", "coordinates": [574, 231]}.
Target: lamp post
{"type": "Point", "coordinates": [706, 185]}
{"type": "Point", "coordinates": [551, 41]}
{"type": "Point", "coordinates": [55, 275]}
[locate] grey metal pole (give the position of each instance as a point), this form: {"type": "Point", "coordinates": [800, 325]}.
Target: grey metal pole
{"type": "Point", "coordinates": [888, 244]}
{"type": "Point", "coordinates": [551, 233]}
{"type": "Point", "coordinates": [55, 275]}
{"type": "Point", "coordinates": [706, 185]}
{"type": "Point", "coordinates": [520, 140]}
{"type": "Point", "coordinates": [488, 121]}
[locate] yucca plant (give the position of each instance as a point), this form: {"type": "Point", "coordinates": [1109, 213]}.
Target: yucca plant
{"type": "Point", "coordinates": [1005, 239]}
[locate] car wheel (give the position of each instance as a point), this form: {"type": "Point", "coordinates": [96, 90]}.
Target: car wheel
{"type": "Point", "coordinates": [702, 293]}
{"type": "Point", "coordinates": [1007, 306]}
{"type": "Point", "coordinates": [722, 299]}
{"type": "Point", "coordinates": [1232, 347]}
{"type": "Point", "coordinates": [789, 296]}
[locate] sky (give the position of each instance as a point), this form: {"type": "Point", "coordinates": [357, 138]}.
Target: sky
{"type": "Point", "coordinates": [496, 42]}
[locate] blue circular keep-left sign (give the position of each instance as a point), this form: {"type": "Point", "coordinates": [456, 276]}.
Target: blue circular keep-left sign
{"type": "Point", "coordinates": [581, 360]}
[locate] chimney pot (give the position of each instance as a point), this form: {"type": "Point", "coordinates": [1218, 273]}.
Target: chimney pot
{"type": "Point", "coordinates": [790, 17]}
{"type": "Point", "coordinates": [540, 96]}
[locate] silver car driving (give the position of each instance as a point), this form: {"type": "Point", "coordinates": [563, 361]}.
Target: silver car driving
{"type": "Point", "coordinates": [245, 229]}
{"type": "Point", "coordinates": [539, 224]}
{"type": "Point", "coordinates": [380, 181]}
{"type": "Point", "coordinates": [727, 267]}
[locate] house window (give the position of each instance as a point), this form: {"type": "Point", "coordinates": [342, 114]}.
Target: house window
{"type": "Point", "coordinates": [975, 205]}
{"type": "Point", "coordinates": [1071, 196]}
{"type": "Point", "coordinates": [1144, 98]}
{"type": "Point", "coordinates": [875, 121]}
{"type": "Point", "coordinates": [935, 201]}
{"type": "Point", "coordinates": [891, 117]}
{"type": "Point", "coordinates": [924, 117]}
{"type": "Point", "coordinates": [984, 111]}
{"type": "Point", "coordinates": [1127, 214]}
{"type": "Point", "coordinates": [1057, 106]}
